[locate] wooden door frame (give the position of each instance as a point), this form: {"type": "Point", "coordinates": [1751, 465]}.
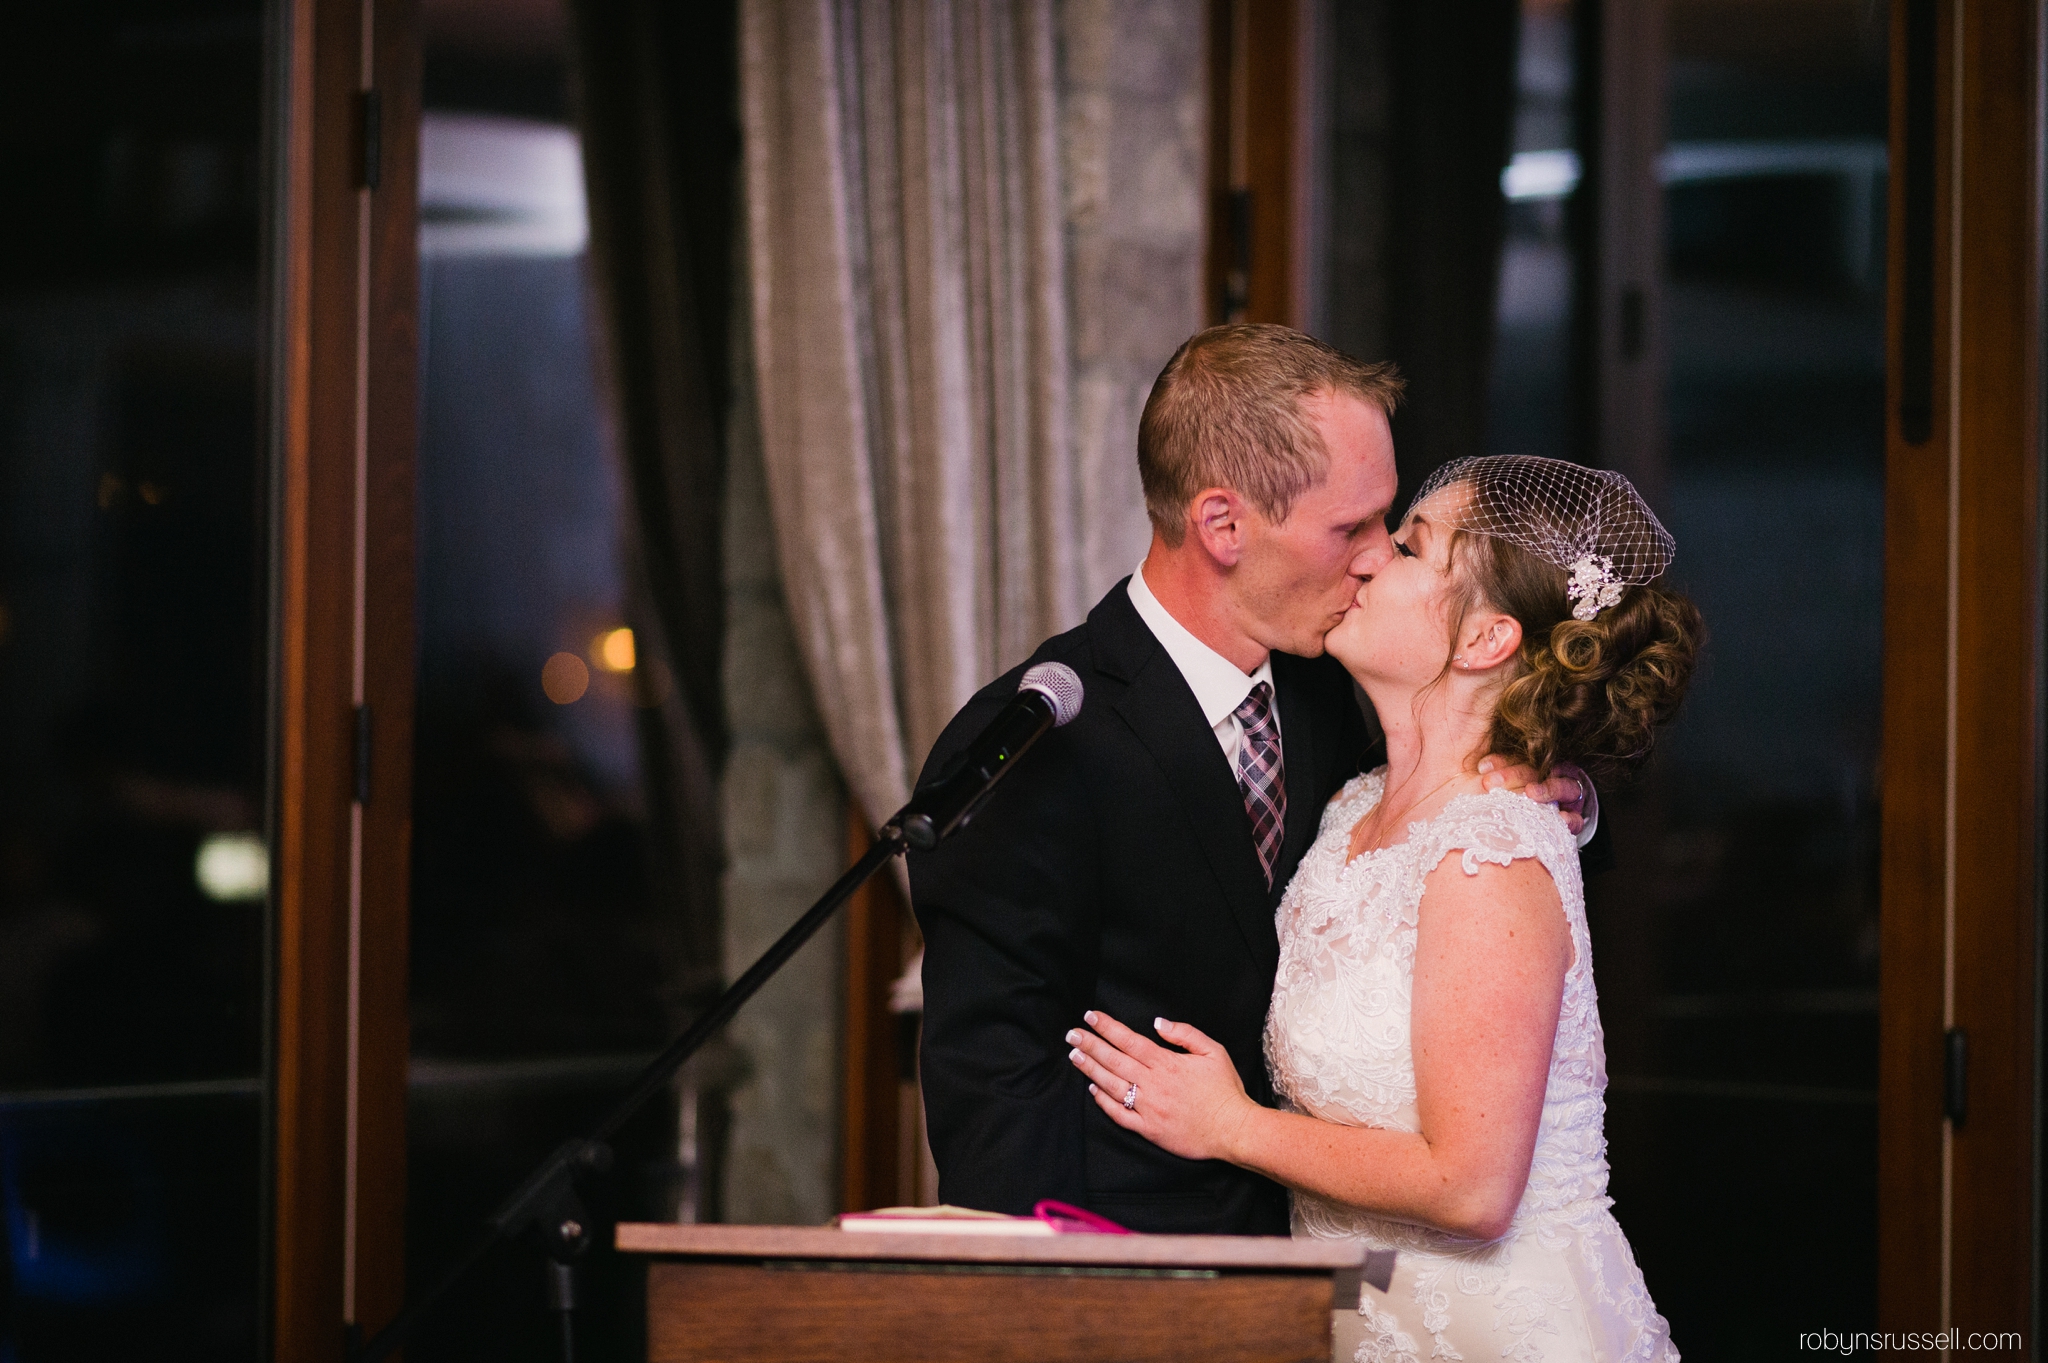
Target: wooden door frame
{"type": "Point", "coordinates": [1962, 734]}
{"type": "Point", "coordinates": [343, 289]}
{"type": "Point", "coordinates": [1265, 103]}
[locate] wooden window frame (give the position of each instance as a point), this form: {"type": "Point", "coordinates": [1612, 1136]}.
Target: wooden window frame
{"type": "Point", "coordinates": [1958, 1243]}
{"type": "Point", "coordinates": [343, 290]}
{"type": "Point", "coordinates": [1624, 293]}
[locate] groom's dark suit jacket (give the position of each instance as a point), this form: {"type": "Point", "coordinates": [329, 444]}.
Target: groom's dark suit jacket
{"type": "Point", "coordinates": [1113, 869]}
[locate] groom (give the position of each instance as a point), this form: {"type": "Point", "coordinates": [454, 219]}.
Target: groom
{"type": "Point", "coordinates": [1134, 863]}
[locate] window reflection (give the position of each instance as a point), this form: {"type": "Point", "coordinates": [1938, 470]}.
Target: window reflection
{"type": "Point", "coordinates": [541, 958]}
{"type": "Point", "coordinates": [1533, 407]}
{"type": "Point", "coordinates": [1738, 937]}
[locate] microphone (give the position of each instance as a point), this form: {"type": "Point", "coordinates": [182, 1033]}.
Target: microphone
{"type": "Point", "coordinates": [1047, 697]}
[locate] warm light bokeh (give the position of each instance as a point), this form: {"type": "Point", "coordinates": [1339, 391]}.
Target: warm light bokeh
{"type": "Point", "coordinates": [614, 650]}
{"type": "Point", "coordinates": [565, 678]}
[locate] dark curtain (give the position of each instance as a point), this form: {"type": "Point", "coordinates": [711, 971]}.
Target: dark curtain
{"type": "Point", "coordinates": [1452, 124]}
{"type": "Point", "coordinates": [655, 87]}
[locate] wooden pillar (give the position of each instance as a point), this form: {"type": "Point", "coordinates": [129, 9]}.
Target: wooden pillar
{"type": "Point", "coordinates": [1263, 107]}
{"type": "Point", "coordinates": [343, 322]}
{"type": "Point", "coordinates": [1958, 1101]}
{"type": "Point", "coordinates": [870, 1132]}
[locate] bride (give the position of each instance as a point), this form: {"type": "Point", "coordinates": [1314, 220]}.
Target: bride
{"type": "Point", "coordinates": [1434, 1030]}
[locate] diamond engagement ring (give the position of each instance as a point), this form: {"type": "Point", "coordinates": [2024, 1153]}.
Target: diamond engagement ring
{"type": "Point", "coordinates": [1131, 1098]}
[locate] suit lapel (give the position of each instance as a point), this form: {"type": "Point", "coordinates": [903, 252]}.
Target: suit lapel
{"type": "Point", "coordinates": [1161, 711]}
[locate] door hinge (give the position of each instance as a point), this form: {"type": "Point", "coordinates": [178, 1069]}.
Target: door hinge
{"type": "Point", "coordinates": [372, 123]}
{"type": "Point", "coordinates": [362, 749]}
{"type": "Point", "coordinates": [1955, 1076]}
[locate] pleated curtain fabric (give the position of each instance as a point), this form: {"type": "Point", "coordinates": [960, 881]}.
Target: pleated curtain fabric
{"type": "Point", "coordinates": [905, 260]}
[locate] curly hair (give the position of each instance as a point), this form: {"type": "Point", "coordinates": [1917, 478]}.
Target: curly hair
{"type": "Point", "coordinates": [1593, 692]}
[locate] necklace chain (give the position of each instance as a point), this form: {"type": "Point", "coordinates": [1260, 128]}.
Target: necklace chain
{"type": "Point", "coordinates": [1384, 823]}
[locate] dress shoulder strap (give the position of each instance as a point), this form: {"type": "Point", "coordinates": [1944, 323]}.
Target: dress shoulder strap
{"type": "Point", "coordinates": [1502, 827]}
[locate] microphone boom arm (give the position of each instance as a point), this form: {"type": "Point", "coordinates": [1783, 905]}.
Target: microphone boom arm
{"type": "Point", "coordinates": [547, 1201]}
{"type": "Point", "coordinates": [540, 1201]}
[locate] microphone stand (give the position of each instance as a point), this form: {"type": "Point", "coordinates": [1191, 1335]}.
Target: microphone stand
{"type": "Point", "coordinates": [548, 1201]}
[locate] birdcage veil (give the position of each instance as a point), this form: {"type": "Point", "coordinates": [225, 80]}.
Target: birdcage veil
{"type": "Point", "coordinates": [1590, 522]}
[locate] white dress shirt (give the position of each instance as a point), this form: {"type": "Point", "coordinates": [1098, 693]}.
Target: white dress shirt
{"type": "Point", "coordinates": [1219, 686]}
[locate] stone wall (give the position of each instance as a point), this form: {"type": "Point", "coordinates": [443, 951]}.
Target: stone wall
{"type": "Point", "coordinates": [1132, 125]}
{"type": "Point", "coordinates": [785, 836]}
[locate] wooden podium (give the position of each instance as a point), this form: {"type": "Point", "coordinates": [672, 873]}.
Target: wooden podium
{"type": "Point", "coordinates": [732, 1294]}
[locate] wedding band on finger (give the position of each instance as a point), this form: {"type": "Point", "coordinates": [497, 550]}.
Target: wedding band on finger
{"type": "Point", "coordinates": [1131, 1098]}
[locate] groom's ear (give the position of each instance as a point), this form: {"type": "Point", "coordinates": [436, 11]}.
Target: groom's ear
{"type": "Point", "coordinates": [1488, 640]}
{"type": "Point", "coordinates": [1218, 514]}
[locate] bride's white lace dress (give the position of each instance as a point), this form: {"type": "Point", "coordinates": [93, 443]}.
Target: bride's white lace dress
{"type": "Point", "coordinates": [1561, 1284]}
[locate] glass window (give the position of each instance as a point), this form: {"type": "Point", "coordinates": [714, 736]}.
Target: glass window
{"type": "Point", "coordinates": [133, 688]}
{"type": "Point", "coordinates": [1737, 939]}
{"type": "Point", "coordinates": [1533, 407]}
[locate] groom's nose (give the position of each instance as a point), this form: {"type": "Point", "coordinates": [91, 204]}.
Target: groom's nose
{"type": "Point", "coordinates": [1373, 555]}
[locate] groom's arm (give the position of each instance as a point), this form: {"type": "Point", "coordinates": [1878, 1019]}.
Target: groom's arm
{"type": "Point", "coordinates": [1007, 907]}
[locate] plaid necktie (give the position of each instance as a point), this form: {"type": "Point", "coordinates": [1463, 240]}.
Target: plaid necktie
{"type": "Point", "coordinates": [1261, 775]}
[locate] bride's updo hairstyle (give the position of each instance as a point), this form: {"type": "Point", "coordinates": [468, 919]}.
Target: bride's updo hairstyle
{"type": "Point", "coordinates": [1572, 554]}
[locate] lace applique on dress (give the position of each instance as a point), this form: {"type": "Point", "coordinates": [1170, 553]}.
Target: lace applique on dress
{"type": "Point", "coordinates": [1338, 1047]}
{"type": "Point", "coordinates": [1384, 1341]}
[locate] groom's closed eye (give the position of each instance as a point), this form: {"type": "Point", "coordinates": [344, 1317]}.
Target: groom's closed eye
{"type": "Point", "coordinates": [1401, 547]}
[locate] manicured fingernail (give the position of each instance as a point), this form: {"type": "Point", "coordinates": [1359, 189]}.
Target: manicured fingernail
{"type": "Point", "coordinates": [1074, 1054]}
{"type": "Point", "coordinates": [1091, 1088]}
{"type": "Point", "coordinates": [1486, 764]}
{"type": "Point", "coordinates": [1089, 1018]}
{"type": "Point", "coordinates": [1160, 1024]}
{"type": "Point", "coordinates": [1073, 1037]}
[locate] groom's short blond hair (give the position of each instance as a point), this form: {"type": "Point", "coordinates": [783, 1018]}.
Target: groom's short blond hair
{"type": "Point", "coordinates": [1227, 412]}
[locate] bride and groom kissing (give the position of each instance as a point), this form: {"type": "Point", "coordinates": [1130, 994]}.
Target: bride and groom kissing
{"type": "Point", "coordinates": [1220, 960]}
